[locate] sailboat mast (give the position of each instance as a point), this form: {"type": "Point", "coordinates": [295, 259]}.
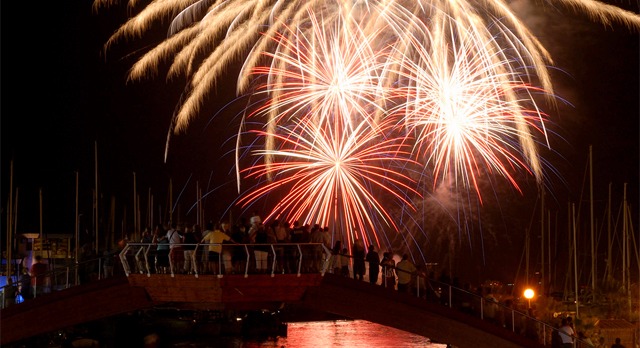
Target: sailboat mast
{"type": "Point", "coordinates": [594, 270]}
{"type": "Point", "coordinates": [10, 223]}
{"type": "Point", "coordinates": [609, 269]}
{"type": "Point", "coordinates": [77, 239]}
{"type": "Point", "coordinates": [550, 275]}
{"type": "Point", "coordinates": [135, 207]}
{"type": "Point", "coordinates": [150, 209]}
{"type": "Point", "coordinates": [542, 241]}
{"type": "Point", "coordinates": [526, 252]}
{"type": "Point", "coordinates": [624, 238]}
{"type": "Point", "coordinates": [14, 228]}
{"type": "Point", "coordinates": [96, 199]}
{"type": "Point", "coordinates": [627, 252]}
{"type": "Point", "coordinates": [198, 211]}
{"type": "Point", "coordinates": [40, 209]}
{"type": "Point", "coordinates": [575, 260]}
{"type": "Point", "coordinates": [170, 206]}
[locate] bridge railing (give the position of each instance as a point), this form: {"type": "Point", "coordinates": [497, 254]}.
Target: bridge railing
{"type": "Point", "coordinates": [291, 258]}
{"type": "Point", "coordinates": [472, 303]}
{"type": "Point", "coordinates": [233, 258]}
{"type": "Point", "coordinates": [508, 316]}
{"type": "Point", "coordinates": [59, 277]}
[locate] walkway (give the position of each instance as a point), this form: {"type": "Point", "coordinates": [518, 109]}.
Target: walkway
{"type": "Point", "coordinates": [320, 292]}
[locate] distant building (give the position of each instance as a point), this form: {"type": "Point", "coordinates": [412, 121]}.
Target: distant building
{"type": "Point", "coordinates": [612, 328]}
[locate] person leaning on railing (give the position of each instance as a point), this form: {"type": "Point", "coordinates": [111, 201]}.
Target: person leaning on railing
{"type": "Point", "coordinates": [162, 249]}
{"type": "Point", "coordinates": [405, 270]}
{"type": "Point", "coordinates": [214, 240]}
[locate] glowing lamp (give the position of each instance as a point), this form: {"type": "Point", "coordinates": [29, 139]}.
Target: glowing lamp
{"type": "Point", "coordinates": [528, 294]}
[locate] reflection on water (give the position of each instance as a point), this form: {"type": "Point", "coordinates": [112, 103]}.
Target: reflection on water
{"type": "Point", "coordinates": [341, 333]}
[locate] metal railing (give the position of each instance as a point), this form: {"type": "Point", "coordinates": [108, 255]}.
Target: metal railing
{"type": "Point", "coordinates": [233, 258]}
{"type": "Point", "coordinates": [59, 277]}
{"type": "Point", "coordinates": [472, 303]}
{"type": "Point", "coordinates": [290, 258]}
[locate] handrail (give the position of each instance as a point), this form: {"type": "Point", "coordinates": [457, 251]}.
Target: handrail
{"type": "Point", "coordinates": [303, 252]}
{"type": "Point", "coordinates": [60, 277]}
{"type": "Point", "coordinates": [544, 328]}
{"type": "Point", "coordinates": [142, 265]}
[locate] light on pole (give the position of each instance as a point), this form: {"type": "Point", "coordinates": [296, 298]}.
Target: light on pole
{"type": "Point", "coordinates": [528, 294]}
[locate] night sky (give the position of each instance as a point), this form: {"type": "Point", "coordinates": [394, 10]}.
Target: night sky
{"type": "Point", "coordinates": [62, 94]}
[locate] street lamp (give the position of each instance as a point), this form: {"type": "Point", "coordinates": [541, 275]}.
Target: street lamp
{"type": "Point", "coordinates": [528, 294]}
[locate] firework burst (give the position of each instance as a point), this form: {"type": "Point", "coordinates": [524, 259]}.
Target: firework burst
{"type": "Point", "coordinates": [342, 77]}
{"type": "Point", "coordinates": [469, 113]}
{"type": "Point", "coordinates": [333, 175]}
{"type": "Point", "coordinates": [228, 29]}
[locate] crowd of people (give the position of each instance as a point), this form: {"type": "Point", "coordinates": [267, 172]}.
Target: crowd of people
{"type": "Point", "coordinates": [250, 246]}
{"type": "Point", "coordinates": [355, 260]}
{"type": "Point", "coordinates": [246, 246]}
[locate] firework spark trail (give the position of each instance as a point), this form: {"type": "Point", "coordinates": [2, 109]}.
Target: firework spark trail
{"type": "Point", "coordinates": [244, 20]}
{"type": "Point", "coordinates": [332, 168]}
{"type": "Point", "coordinates": [318, 74]}
{"type": "Point", "coordinates": [329, 74]}
{"type": "Point", "coordinates": [228, 29]}
{"type": "Point", "coordinates": [325, 80]}
{"type": "Point", "coordinates": [427, 48]}
{"type": "Point", "coordinates": [467, 109]}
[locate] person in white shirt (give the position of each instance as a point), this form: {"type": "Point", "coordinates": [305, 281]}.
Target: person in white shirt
{"type": "Point", "coordinates": [566, 333]}
{"type": "Point", "coordinates": [176, 254]}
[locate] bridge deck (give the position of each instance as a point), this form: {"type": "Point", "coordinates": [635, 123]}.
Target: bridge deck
{"type": "Point", "coordinates": [337, 295]}
{"type": "Point", "coordinates": [360, 300]}
{"type": "Point", "coordinates": [228, 292]}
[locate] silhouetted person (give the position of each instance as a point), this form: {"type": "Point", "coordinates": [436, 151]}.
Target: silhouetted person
{"type": "Point", "coordinates": [335, 262]}
{"type": "Point", "coordinates": [10, 292]}
{"type": "Point", "coordinates": [585, 342]}
{"type": "Point", "coordinates": [107, 263]}
{"type": "Point", "coordinates": [282, 252]}
{"type": "Point", "coordinates": [25, 284]}
{"type": "Point", "coordinates": [566, 334]}
{"type": "Point", "coordinates": [556, 340]}
{"type": "Point", "coordinates": [405, 271]}
{"type": "Point", "coordinates": [374, 264]}
{"type": "Point", "coordinates": [214, 241]}
{"type": "Point", "coordinates": [190, 241]}
{"type": "Point", "coordinates": [176, 252]}
{"type": "Point", "coordinates": [389, 270]}
{"type": "Point", "coordinates": [259, 237]}
{"type": "Point", "coordinates": [344, 262]}
{"type": "Point", "coordinates": [38, 278]}
{"type": "Point", "coordinates": [491, 307]}
{"type": "Point", "coordinates": [359, 255]}
{"type": "Point", "coordinates": [162, 251]}
{"type": "Point", "coordinates": [316, 236]}
{"type": "Point", "coordinates": [617, 344]}
{"type": "Point", "coordinates": [238, 254]}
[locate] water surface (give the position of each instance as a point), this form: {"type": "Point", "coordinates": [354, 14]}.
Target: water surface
{"type": "Point", "coordinates": [340, 333]}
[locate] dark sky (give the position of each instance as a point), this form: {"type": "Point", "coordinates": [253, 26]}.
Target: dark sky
{"type": "Point", "coordinates": [61, 94]}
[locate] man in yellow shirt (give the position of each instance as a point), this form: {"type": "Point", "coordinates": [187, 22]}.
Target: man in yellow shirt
{"type": "Point", "coordinates": [214, 241]}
